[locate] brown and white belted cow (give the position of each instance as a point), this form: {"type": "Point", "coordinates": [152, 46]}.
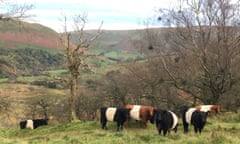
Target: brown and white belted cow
{"type": "Point", "coordinates": [140, 112]}
{"type": "Point", "coordinates": [211, 109]}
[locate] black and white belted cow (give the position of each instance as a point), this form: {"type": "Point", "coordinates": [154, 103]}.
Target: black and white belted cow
{"type": "Point", "coordinates": [119, 115]}
{"type": "Point", "coordinates": [165, 120]}
{"type": "Point", "coordinates": [195, 117]}
{"type": "Point", "coordinates": [33, 124]}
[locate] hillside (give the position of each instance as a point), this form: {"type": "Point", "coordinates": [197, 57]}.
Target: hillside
{"type": "Point", "coordinates": [13, 34]}
{"type": "Point", "coordinates": [115, 45]}
{"type": "Point", "coordinates": [33, 44]}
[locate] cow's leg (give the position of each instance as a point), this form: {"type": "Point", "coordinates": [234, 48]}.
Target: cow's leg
{"type": "Point", "coordinates": [103, 119]}
{"type": "Point", "coordinates": [127, 122]}
{"type": "Point", "coordinates": [185, 125]}
{"type": "Point", "coordinates": [121, 125]}
{"type": "Point", "coordinates": [104, 125]}
{"type": "Point", "coordinates": [195, 128]}
{"type": "Point", "coordinates": [169, 131]}
{"type": "Point", "coordinates": [164, 132]}
{"type": "Point", "coordinates": [144, 123]}
{"type": "Point", "coordinates": [118, 125]}
{"type": "Point", "coordinates": [176, 128]}
{"type": "Point", "coordinates": [159, 129]}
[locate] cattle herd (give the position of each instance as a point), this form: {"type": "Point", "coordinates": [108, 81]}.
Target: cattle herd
{"type": "Point", "coordinates": [165, 120]}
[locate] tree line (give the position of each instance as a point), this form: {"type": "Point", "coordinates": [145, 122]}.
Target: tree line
{"type": "Point", "coordinates": [28, 62]}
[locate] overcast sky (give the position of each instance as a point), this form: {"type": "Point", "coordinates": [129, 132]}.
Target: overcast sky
{"type": "Point", "coordinates": [115, 14]}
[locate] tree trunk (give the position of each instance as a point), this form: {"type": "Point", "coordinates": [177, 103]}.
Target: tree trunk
{"type": "Point", "coordinates": [73, 88]}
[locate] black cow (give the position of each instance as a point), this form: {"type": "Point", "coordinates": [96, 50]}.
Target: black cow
{"type": "Point", "coordinates": [195, 117]}
{"type": "Point", "coordinates": [119, 115]}
{"type": "Point", "coordinates": [33, 124]}
{"type": "Point", "coordinates": [165, 120]}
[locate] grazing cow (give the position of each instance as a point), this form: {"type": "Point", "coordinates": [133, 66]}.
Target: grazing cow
{"type": "Point", "coordinates": [33, 124]}
{"type": "Point", "coordinates": [119, 115]}
{"type": "Point", "coordinates": [212, 109]}
{"type": "Point", "coordinates": [139, 112]}
{"type": "Point", "coordinates": [195, 117]}
{"type": "Point", "coordinates": [165, 120]}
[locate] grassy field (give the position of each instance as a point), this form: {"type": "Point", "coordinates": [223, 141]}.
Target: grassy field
{"type": "Point", "coordinates": [224, 129]}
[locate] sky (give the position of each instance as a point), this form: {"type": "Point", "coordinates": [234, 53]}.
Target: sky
{"type": "Point", "coordinates": [115, 14]}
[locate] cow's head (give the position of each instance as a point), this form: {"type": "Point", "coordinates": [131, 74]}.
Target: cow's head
{"type": "Point", "coordinates": [23, 124]}
{"type": "Point", "coordinates": [203, 117]}
{"type": "Point", "coordinates": [129, 106]}
{"type": "Point", "coordinates": [217, 108]}
{"type": "Point", "coordinates": [157, 116]}
{"type": "Point", "coordinates": [128, 114]}
{"type": "Point", "coordinates": [151, 114]}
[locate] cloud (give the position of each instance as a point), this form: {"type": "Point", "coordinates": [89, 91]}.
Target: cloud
{"type": "Point", "coordinates": [121, 14]}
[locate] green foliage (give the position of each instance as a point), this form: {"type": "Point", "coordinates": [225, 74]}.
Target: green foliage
{"type": "Point", "coordinates": [3, 80]}
{"type": "Point", "coordinates": [30, 61]}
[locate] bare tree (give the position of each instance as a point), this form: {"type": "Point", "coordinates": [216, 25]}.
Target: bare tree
{"type": "Point", "coordinates": [203, 46]}
{"type": "Point", "coordinates": [76, 55]}
{"type": "Point", "coordinates": [13, 11]}
{"type": "Point", "coordinates": [116, 88]}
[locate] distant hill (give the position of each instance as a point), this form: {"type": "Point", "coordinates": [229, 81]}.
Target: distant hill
{"type": "Point", "coordinates": [110, 43]}
{"type": "Point", "coordinates": [14, 34]}
{"type": "Point", "coordinates": [115, 45]}
{"type": "Point", "coordinates": [34, 44]}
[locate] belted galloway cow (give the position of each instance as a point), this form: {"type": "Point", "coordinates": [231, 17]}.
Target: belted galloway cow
{"type": "Point", "coordinates": [165, 120]}
{"type": "Point", "coordinates": [140, 112]}
{"type": "Point", "coordinates": [212, 109]}
{"type": "Point", "coordinates": [195, 117]}
{"type": "Point", "coordinates": [119, 115]}
{"type": "Point", "coordinates": [33, 124]}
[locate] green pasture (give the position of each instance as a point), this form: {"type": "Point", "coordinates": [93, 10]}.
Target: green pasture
{"type": "Point", "coordinates": [34, 78]}
{"type": "Point", "coordinates": [3, 80]}
{"type": "Point", "coordinates": [23, 46]}
{"type": "Point", "coordinates": [218, 130]}
{"type": "Point", "coordinates": [57, 71]}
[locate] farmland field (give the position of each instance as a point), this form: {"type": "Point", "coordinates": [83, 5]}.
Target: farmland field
{"type": "Point", "coordinates": [222, 129]}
